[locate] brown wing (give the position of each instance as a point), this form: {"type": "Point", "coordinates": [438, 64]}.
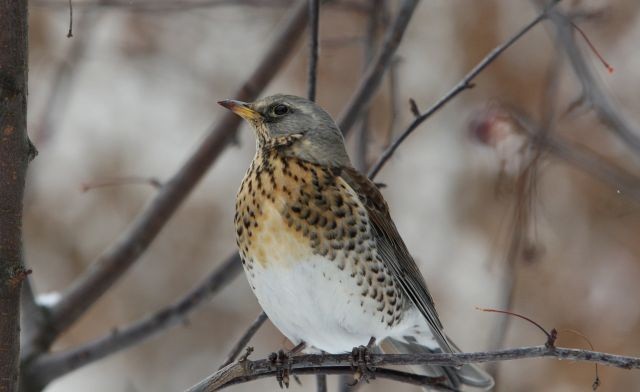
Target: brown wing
{"type": "Point", "coordinates": [394, 252]}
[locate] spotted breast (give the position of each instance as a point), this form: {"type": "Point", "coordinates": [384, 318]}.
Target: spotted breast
{"type": "Point", "coordinates": [310, 256]}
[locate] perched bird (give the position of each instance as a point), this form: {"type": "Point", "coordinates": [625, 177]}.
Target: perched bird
{"type": "Point", "coordinates": [319, 247]}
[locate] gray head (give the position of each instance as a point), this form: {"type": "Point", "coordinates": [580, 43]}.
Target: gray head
{"type": "Point", "coordinates": [295, 125]}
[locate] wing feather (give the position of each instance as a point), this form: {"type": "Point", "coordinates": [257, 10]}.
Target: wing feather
{"type": "Point", "coordinates": [394, 252]}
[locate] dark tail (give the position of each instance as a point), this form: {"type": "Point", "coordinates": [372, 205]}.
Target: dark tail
{"type": "Point", "coordinates": [455, 376]}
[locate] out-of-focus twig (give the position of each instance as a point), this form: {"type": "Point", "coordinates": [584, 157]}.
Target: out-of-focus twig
{"type": "Point", "coordinates": [523, 211]}
{"type": "Point", "coordinates": [51, 366]}
{"type": "Point", "coordinates": [188, 5]}
{"type": "Point", "coordinates": [321, 383]}
{"type": "Point", "coordinates": [244, 339]}
{"type": "Point", "coordinates": [362, 134]}
{"type": "Point", "coordinates": [70, 32]}
{"type": "Point", "coordinates": [464, 84]}
{"type": "Point", "coordinates": [64, 77]}
{"type": "Point", "coordinates": [162, 5]}
{"type": "Point", "coordinates": [376, 69]}
{"type": "Point", "coordinates": [115, 261]}
{"type": "Point", "coordinates": [314, 25]}
{"type": "Point", "coordinates": [109, 182]}
{"type": "Point", "coordinates": [592, 92]}
{"type": "Point", "coordinates": [246, 370]}
{"type": "Point", "coordinates": [393, 100]}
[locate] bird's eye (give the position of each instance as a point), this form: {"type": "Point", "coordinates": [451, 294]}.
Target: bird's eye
{"type": "Point", "coordinates": [280, 110]}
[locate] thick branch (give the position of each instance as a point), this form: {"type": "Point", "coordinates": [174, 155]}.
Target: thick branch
{"type": "Point", "coordinates": [375, 71]}
{"type": "Point", "coordinates": [51, 366]}
{"type": "Point", "coordinates": [112, 264]}
{"type": "Point", "coordinates": [14, 157]}
{"type": "Point", "coordinates": [245, 371]}
{"type": "Point", "coordinates": [462, 85]}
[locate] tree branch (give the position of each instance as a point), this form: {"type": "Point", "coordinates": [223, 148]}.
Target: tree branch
{"type": "Point", "coordinates": [462, 85]}
{"type": "Point", "coordinates": [244, 339]}
{"type": "Point", "coordinates": [241, 372]}
{"type": "Point", "coordinates": [375, 71]}
{"type": "Point", "coordinates": [591, 90]}
{"type": "Point", "coordinates": [14, 158]}
{"type": "Point", "coordinates": [314, 22]}
{"type": "Point", "coordinates": [51, 366]}
{"type": "Point", "coordinates": [362, 133]}
{"type": "Point", "coordinates": [115, 261]}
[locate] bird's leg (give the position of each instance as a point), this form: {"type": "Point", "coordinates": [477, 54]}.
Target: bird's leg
{"type": "Point", "coordinates": [282, 362]}
{"type": "Point", "coordinates": [360, 361]}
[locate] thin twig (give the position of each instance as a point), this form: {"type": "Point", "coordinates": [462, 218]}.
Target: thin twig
{"type": "Point", "coordinates": [51, 366]}
{"type": "Point", "coordinates": [370, 82]}
{"type": "Point", "coordinates": [393, 100]}
{"type": "Point", "coordinates": [163, 5]}
{"type": "Point", "coordinates": [362, 134]}
{"type": "Point", "coordinates": [464, 84]}
{"type": "Point", "coordinates": [321, 383]}
{"type": "Point", "coordinates": [245, 371]}
{"type": "Point", "coordinates": [64, 77]}
{"type": "Point", "coordinates": [118, 181]}
{"type": "Point", "coordinates": [244, 339]}
{"type": "Point", "coordinates": [70, 32]}
{"type": "Point", "coordinates": [314, 21]}
{"type": "Point", "coordinates": [116, 260]}
{"type": "Point", "coordinates": [591, 90]}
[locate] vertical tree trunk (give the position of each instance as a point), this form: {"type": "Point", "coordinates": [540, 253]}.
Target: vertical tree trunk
{"type": "Point", "coordinates": [14, 157]}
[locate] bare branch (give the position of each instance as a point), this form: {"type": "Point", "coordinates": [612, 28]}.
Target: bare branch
{"type": "Point", "coordinates": [591, 89]}
{"type": "Point", "coordinates": [464, 84]}
{"type": "Point", "coordinates": [372, 77]}
{"type": "Point", "coordinates": [245, 371]}
{"type": "Point", "coordinates": [244, 339]}
{"type": "Point", "coordinates": [115, 261]}
{"type": "Point", "coordinates": [118, 181]}
{"type": "Point", "coordinates": [51, 366]}
{"type": "Point", "coordinates": [64, 77]}
{"type": "Point", "coordinates": [314, 21]}
{"type": "Point", "coordinates": [362, 134]}
{"type": "Point", "coordinates": [321, 383]}
{"type": "Point", "coordinates": [162, 5]}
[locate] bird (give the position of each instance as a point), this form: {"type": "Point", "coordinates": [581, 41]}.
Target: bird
{"type": "Point", "coordinates": [320, 249]}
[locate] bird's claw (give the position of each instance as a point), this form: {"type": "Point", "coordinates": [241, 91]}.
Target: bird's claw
{"type": "Point", "coordinates": [361, 363]}
{"type": "Point", "coordinates": [282, 363]}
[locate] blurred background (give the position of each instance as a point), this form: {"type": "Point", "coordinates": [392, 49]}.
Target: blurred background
{"type": "Point", "coordinates": [490, 222]}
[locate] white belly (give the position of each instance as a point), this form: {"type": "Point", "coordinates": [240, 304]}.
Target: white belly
{"type": "Point", "coordinates": [316, 302]}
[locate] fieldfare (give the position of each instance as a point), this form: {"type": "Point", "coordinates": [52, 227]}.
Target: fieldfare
{"type": "Point", "coordinates": [319, 247]}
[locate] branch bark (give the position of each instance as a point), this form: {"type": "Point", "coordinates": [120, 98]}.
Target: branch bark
{"type": "Point", "coordinates": [15, 150]}
{"type": "Point", "coordinates": [463, 85]}
{"type": "Point", "coordinates": [241, 372]}
{"type": "Point", "coordinates": [51, 366]}
{"type": "Point", "coordinates": [116, 260]}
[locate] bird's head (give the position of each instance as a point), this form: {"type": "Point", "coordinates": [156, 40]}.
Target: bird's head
{"type": "Point", "coordinates": [296, 126]}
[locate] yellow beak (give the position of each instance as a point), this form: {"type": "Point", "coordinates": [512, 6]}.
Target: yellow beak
{"type": "Point", "coordinates": [240, 108]}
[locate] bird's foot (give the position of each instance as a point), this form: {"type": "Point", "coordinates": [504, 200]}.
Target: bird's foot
{"type": "Point", "coordinates": [361, 363]}
{"type": "Point", "coordinates": [281, 360]}
{"type": "Point", "coordinates": [282, 363]}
